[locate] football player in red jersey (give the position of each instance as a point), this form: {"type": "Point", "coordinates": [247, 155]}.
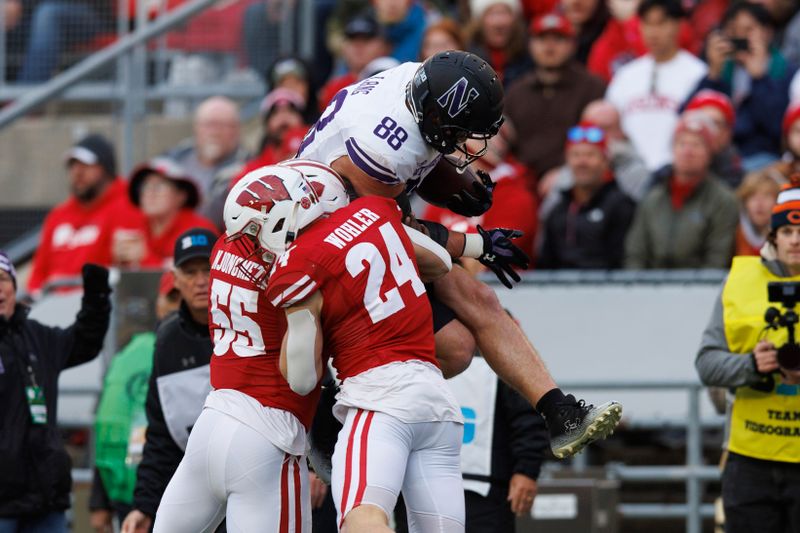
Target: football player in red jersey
{"type": "Point", "coordinates": [406, 129]}
{"type": "Point", "coordinates": [246, 453]}
{"type": "Point", "coordinates": [349, 281]}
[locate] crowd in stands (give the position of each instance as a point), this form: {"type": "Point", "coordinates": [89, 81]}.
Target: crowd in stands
{"type": "Point", "coordinates": [638, 134]}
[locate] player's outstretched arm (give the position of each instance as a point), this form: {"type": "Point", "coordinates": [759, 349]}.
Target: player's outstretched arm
{"type": "Point", "coordinates": [493, 248]}
{"type": "Point", "coordinates": [301, 350]}
{"type": "Point", "coordinates": [433, 260]}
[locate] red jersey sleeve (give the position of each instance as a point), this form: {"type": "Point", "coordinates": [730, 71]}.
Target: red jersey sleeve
{"type": "Point", "coordinates": [293, 279]}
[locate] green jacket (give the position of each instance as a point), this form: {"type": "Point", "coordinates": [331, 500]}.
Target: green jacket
{"type": "Point", "coordinates": [121, 411]}
{"type": "Point", "coordinates": [699, 235]}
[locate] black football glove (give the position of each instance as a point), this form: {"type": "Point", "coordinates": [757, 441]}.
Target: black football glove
{"type": "Point", "coordinates": [500, 255]}
{"type": "Point", "coordinates": [476, 202]}
{"type": "Point", "coordinates": [95, 280]}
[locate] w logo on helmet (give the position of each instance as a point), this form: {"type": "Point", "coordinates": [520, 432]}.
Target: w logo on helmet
{"type": "Point", "coordinates": [261, 194]}
{"type": "Point", "coordinates": [458, 97]}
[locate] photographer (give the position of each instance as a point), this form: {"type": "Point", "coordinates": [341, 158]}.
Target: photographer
{"type": "Point", "coordinates": [761, 477]}
{"type": "Point", "coordinates": [744, 65]}
{"type": "Point", "coordinates": [35, 480]}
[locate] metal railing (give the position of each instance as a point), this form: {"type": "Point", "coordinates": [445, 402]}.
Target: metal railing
{"type": "Point", "coordinates": [692, 474]}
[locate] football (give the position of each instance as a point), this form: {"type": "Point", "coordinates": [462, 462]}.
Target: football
{"type": "Point", "coordinates": [443, 182]}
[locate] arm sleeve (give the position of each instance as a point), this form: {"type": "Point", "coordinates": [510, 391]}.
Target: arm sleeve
{"type": "Point", "coordinates": [715, 364]}
{"type": "Point", "coordinates": [368, 152]}
{"type": "Point", "coordinates": [527, 434]}
{"type": "Point", "coordinates": [89, 330]}
{"type": "Point", "coordinates": [161, 456]}
{"type": "Point", "coordinates": [98, 498]}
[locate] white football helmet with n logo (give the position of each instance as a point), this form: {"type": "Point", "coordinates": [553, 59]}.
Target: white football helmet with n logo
{"type": "Point", "coordinates": [325, 181]}
{"type": "Point", "coordinates": [271, 204]}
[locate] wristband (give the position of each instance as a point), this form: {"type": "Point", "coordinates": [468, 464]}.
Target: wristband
{"type": "Point", "coordinates": [473, 245]}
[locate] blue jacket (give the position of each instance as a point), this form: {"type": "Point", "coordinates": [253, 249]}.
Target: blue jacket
{"type": "Point", "coordinates": [759, 115]}
{"type": "Point", "coordinates": [406, 36]}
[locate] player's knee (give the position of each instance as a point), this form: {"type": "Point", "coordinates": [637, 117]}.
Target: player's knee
{"type": "Point", "coordinates": [366, 519]}
{"type": "Point", "coordinates": [455, 346]}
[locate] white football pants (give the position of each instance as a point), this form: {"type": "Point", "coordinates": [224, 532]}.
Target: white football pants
{"type": "Point", "coordinates": [231, 471]}
{"type": "Point", "coordinates": [377, 455]}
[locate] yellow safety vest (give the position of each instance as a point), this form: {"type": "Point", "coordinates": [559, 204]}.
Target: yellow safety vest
{"type": "Point", "coordinates": [764, 424]}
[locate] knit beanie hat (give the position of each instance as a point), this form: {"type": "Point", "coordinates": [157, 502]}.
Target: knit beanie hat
{"type": "Point", "coordinates": [787, 207]}
{"type": "Point", "coordinates": [711, 98]}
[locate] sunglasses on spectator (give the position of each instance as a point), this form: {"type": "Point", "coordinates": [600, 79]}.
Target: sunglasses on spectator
{"type": "Point", "coordinates": [591, 134]}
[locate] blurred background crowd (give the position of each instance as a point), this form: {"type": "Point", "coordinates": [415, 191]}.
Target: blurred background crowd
{"type": "Point", "coordinates": [639, 134]}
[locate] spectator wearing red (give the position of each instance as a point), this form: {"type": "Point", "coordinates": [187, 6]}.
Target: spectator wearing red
{"type": "Point", "coordinates": [689, 219]}
{"type": "Point", "coordinates": [649, 91]}
{"type": "Point", "coordinates": [546, 102]}
{"type": "Point", "coordinates": [167, 197]}
{"type": "Point", "coordinates": [588, 18]}
{"type": "Point", "coordinates": [727, 164]}
{"type": "Point", "coordinates": [514, 205]}
{"type": "Point", "coordinates": [81, 229]}
{"type": "Point", "coordinates": [440, 37]}
{"type": "Point", "coordinates": [364, 40]}
{"type": "Point", "coordinates": [497, 34]}
{"type": "Point", "coordinates": [621, 41]}
{"type": "Point", "coordinates": [789, 164]}
{"type": "Point", "coordinates": [757, 196]}
{"type": "Point", "coordinates": [586, 229]}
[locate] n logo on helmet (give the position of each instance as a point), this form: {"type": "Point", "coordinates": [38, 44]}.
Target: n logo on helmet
{"type": "Point", "coordinates": [457, 97]}
{"type": "Point", "coordinates": [261, 194]}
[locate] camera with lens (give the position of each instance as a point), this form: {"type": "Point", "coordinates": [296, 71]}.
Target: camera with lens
{"type": "Point", "coordinates": [787, 293]}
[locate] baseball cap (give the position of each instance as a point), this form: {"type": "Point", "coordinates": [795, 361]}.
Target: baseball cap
{"type": "Point", "coordinates": [282, 96]}
{"type": "Point", "coordinates": [169, 169]}
{"type": "Point", "coordinates": [193, 243]}
{"type": "Point", "coordinates": [93, 149]}
{"type": "Point", "coordinates": [552, 23]}
{"type": "Point", "coordinates": [8, 266]}
{"type": "Point", "coordinates": [362, 26]}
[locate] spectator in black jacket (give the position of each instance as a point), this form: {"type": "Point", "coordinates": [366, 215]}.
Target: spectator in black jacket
{"type": "Point", "coordinates": [586, 228]}
{"type": "Point", "coordinates": [505, 442]}
{"type": "Point", "coordinates": [179, 382]}
{"type": "Point", "coordinates": [35, 479]}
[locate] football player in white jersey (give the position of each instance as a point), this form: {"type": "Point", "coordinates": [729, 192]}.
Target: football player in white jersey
{"type": "Point", "coordinates": [384, 135]}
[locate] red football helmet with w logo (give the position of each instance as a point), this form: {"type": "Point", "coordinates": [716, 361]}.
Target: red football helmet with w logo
{"type": "Point", "coordinates": [271, 204]}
